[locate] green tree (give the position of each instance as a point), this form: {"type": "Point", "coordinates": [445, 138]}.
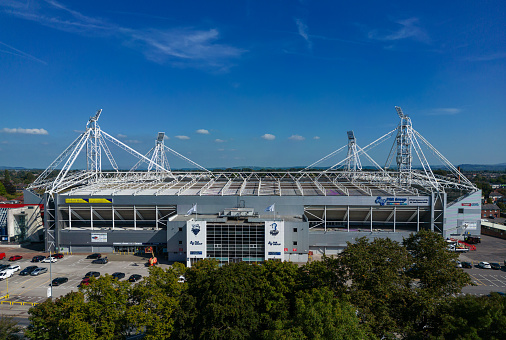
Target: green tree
{"type": "Point", "coordinates": [3, 192]}
{"type": "Point", "coordinates": [154, 301]}
{"type": "Point", "coordinates": [320, 315]}
{"type": "Point", "coordinates": [8, 328]}
{"type": "Point", "coordinates": [473, 317]}
{"type": "Point", "coordinates": [437, 278]}
{"type": "Point", "coordinates": [64, 318]}
{"type": "Point", "coordinates": [378, 284]}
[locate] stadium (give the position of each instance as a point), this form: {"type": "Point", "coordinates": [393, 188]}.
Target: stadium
{"type": "Point", "coordinates": [249, 216]}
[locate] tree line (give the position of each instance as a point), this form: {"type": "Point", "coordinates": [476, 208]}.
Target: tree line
{"type": "Point", "coordinates": [379, 289]}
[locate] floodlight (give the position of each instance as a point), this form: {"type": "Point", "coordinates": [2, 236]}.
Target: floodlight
{"type": "Point", "coordinates": [351, 135]}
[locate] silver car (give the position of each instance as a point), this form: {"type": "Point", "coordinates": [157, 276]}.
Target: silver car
{"type": "Point", "coordinates": [39, 271]}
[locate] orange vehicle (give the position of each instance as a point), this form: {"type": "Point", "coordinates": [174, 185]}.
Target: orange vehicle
{"type": "Point", "coordinates": [152, 261]}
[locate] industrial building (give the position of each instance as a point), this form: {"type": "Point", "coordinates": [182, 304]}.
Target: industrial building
{"type": "Point", "coordinates": [249, 216]}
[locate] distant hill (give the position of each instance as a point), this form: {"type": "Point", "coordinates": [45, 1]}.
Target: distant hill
{"type": "Point", "coordinates": [12, 168]}
{"type": "Point", "coordinates": [483, 167]}
{"type": "Point", "coordinates": [463, 167]}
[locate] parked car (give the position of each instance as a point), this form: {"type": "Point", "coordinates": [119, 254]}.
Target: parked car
{"type": "Point", "coordinates": [466, 265]}
{"type": "Point", "coordinates": [495, 266]}
{"type": "Point", "coordinates": [85, 282]}
{"type": "Point", "coordinates": [118, 275]}
{"type": "Point", "coordinates": [58, 255]}
{"type": "Point", "coordinates": [27, 270]}
{"type": "Point", "coordinates": [15, 257]}
{"type": "Point", "coordinates": [458, 264]}
{"type": "Point", "coordinates": [38, 258]}
{"type": "Point", "coordinates": [6, 274]}
{"type": "Point", "coordinates": [181, 279]}
{"type": "Point", "coordinates": [38, 271]}
{"type": "Point", "coordinates": [484, 265]}
{"type": "Point", "coordinates": [134, 277]}
{"type": "Point", "coordinates": [59, 281]}
{"type": "Point", "coordinates": [102, 260]}
{"type": "Point", "coordinates": [94, 256]}
{"type": "Point", "coordinates": [14, 268]}
{"type": "Point", "coordinates": [49, 259]}
{"type": "Point", "coordinates": [90, 274]}
{"type": "Point", "coordinates": [2, 256]}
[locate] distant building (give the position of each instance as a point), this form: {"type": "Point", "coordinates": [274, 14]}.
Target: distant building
{"type": "Point", "coordinates": [490, 211]}
{"type": "Point", "coordinates": [495, 196]}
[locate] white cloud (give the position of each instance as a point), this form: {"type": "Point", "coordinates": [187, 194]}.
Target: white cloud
{"type": "Point", "coordinates": [296, 137]}
{"type": "Point", "coordinates": [78, 131]}
{"type": "Point", "coordinates": [166, 137]}
{"type": "Point", "coordinates": [119, 135]}
{"type": "Point", "coordinates": [409, 29]}
{"type": "Point", "coordinates": [302, 28]}
{"type": "Point", "coordinates": [14, 51]}
{"type": "Point", "coordinates": [488, 57]}
{"type": "Point", "coordinates": [217, 140]}
{"type": "Point", "coordinates": [268, 136]}
{"type": "Point", "coordinates": [26, 131]}
{"type": "Point", "coordinates": [133, 141]}
{"type": "Point", "coordinates": [182, 137]}
{"type": "Point", "coordinates": [445, 111]}
{"type": "Point", "coordinates": [180, 46]}
{"type": "Point", "coordinates": [202, 131]}
{"type": "Point", "coordinates": [4, 142]}
{"type": "Point", "coordinates": [316, 137]}
{"type": "Point", "coordinates": [221, 150]}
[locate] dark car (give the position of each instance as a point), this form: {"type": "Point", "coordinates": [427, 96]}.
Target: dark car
{"type": "Point", "coordinates": [94, 256]}
{"type": "Point", "coordinates": [102, 260]}
{"type": "Point", "coordinates": [134, 277]}
{"type": "Point", "coordinates": [495, 266]}
{"type": "Point", "coordinates": [38, 258]}
{"type": "Point", "coordinates": [27, 270]}
{"type": "Point", "coordinates": [58, 255]}
{"type": "Point", "coordinates": [90, 274]}
{"type": "Point", "coordinates": [59, 281]}
{"type": "Point", "coordinates": [3, 266]}
{"type": "Point", "coordinates": [466, 265]}
{"type": "Point", "coordinates": [118, 275]}
{"type": "Point", "coordinates": [15, 257]}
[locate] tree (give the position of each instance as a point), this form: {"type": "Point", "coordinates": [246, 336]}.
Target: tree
{"type": "Point", "coordinates": [473, 317]}
{"type": "Point", "coordinates": [378, 284]}
{"type": "Point", "coordinates": [320, 315]}
{"type": "Point", "coordinates": [8, 328]}
{"type": "Point", "coordinates": [3, 192]}
{"type": "Point", "coordinates": [154, 301]}
{"type": "Point", "coordinates": [436, 275]}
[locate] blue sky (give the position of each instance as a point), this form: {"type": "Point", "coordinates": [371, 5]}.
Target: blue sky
{"type": "Point", "coordinates": [252, 83]}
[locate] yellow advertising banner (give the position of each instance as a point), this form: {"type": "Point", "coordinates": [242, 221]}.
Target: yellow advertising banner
{"type": "Point", "coordinates": [88, 200]}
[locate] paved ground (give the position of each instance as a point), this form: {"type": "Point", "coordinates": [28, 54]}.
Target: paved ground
{"type": "Point", "coordinates": [24, 291]}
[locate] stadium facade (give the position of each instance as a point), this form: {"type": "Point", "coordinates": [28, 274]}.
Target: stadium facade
{"type": "Point", "coordinates": [249, 216]}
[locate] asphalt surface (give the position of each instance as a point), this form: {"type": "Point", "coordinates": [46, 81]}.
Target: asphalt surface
{"type": "Point", "coordinates": [25, 291]}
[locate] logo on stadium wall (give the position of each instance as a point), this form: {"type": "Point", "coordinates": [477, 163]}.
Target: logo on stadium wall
{"type": "Point", "coordinates": [391, 201]}
{"type": "Point", "coordinates": [195, 228]}
{"type": "Point", "coordinates": [274, 230]}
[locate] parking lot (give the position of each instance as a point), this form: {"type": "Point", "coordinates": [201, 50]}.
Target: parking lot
{"type": "Point", "coordinates": [25, 290]}
{"type": "Point", "coordinates": [491, 249]}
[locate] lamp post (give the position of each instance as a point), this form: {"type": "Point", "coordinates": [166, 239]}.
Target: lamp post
{"type": "Point", "coordinates": [50, 275]}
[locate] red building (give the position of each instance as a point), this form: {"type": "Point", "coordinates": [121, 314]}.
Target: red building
{"type": "Point", "coordinates": [490, 211]}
